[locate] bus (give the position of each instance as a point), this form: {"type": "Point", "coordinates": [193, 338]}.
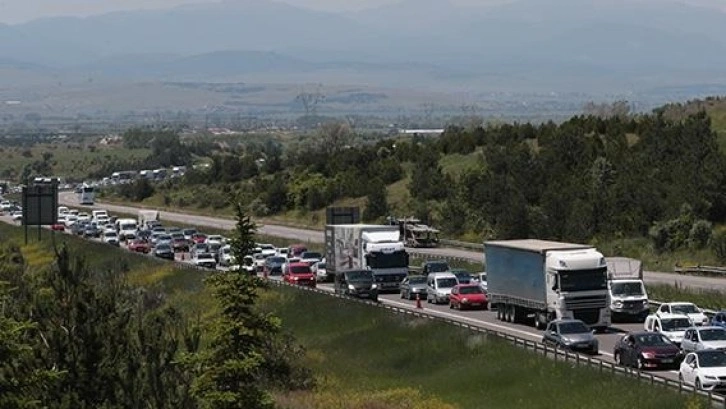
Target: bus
{"type": "Point", "coordinates": [87, 195]}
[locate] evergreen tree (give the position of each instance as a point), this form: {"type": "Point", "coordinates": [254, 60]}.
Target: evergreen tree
{"type": "Point", "coordinates": [376, 203]}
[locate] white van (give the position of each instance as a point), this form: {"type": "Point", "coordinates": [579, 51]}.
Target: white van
{"type": "Point", "coordinates": [438, 287]}
{"type": "Point", "coordinates": [97, 213]}
{"type": "Point", "coordinates": [673, 326]}
{"type": "Point", "coordinates": [126, 229]}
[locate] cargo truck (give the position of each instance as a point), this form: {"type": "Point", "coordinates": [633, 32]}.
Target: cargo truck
{"type": "Point", "coordinates": [365, 246]}
{"type": "Point", "coordinates": [148, 218]}
{"type": "Point", "coordinates": [628, 297]}
{"type": "Point", "coordinates": [539, 281]}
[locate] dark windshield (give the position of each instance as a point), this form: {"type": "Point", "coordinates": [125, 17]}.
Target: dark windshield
{"type": "Point", "coordinates": [163, 247]}
{"type": "Point", "coordinates": [626, 289]}
{"type": "Point", "coordinates": [311, 254]}
{"type": "Point", "coordinates": [471, 290]}
{"type": "Point", "coordinates": [713, 334]}
{"type": "Point", "coordinates": [653, 340]}
{"type": "Point", "coordinates": [711, 359]}
{"type": "Point", "coordinates": [359, 275]}
{"type": "Point", "coordinates": [573, 328]}
{"type": "Point", "coordinates": [417, 280]}
{"type": "Point", "coordinates": [583, 280]}
{"type": "Point", "coordinates": [684, 309]}
{"type": "Point", "coordinates": [321, 266]}
{"type": "Point", "coordinates": [397, 259]}
{"type": "Point", "coordinates": [446, 282]}
{"type": "Point", "coordinates": [275, 260]}
{"type": "Point", "coordinates": [675, 324]}
{"type": "Point", "coordinates": [300, 269]}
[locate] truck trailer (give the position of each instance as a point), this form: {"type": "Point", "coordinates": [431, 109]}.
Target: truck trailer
{"type": "Point", "coordinates": [365, 246]}
{"type": "Point", "coordinates": [537, 281]}
{"type": "Point", "coordinates": [628, 297]}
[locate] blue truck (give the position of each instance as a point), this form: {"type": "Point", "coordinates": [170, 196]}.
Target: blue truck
{"type": "Point", "coordinates": [536, 281]}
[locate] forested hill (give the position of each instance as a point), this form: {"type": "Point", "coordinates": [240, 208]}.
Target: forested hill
{"type": "Point", "coordinates": [584, 178]}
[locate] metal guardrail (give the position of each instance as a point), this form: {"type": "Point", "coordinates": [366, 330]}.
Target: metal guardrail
{"type": "Point", "coordinates": [701, 270]}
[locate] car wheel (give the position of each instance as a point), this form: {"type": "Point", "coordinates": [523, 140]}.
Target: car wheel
{"type": "Point", "coordinates": [618, 359]}
{"type": "Point", "coordinates": [451, 305]}
{"type": "Point", "coordinates": [640, 364]}
{"type": "Point", "coordinates": [698, 384]}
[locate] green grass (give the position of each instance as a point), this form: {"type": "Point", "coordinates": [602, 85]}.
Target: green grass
{"type": "Point", "coordinates": [359, 350]}
{"type": "Point", "coordinates": [456, 164]}
{"type": "Point", "coordinates": [708, 299]}
{"type": "Point", "coordinates": [70, 160]}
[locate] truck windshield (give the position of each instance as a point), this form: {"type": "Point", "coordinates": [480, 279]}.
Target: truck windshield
{"type": "Point", "coordinates": [392, 260]}
{"type": "Point", "coordinates": [438, 267]}
{"type": "Point", "coordinates": [583, 280]}
{"type": "Point", "coordinates": [627, 289]}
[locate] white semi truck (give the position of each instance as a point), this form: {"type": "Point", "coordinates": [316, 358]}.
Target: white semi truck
{"type": "Point", "coordinates": [628, 297]}
{"type": "Point", "coordinates": [365, 246]}
{"type": "Point", "coordinates": [539, 281]}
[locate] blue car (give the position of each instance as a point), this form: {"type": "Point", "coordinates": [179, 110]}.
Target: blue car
{"type": "Point", "coordinates": [719, 319]}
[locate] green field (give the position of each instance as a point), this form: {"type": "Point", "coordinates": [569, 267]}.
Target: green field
{"type": "Point", "coordinates": [71, 160]}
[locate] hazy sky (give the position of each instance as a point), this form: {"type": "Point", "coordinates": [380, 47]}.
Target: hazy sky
{"type": "Point", "coordinates": [15, 11]}
{"type": "Point", "coordinates": [18, 11]}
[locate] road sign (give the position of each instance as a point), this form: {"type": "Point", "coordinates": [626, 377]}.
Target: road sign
{"type": "Point", "coordinates": [40, 205]}
{"type": "Point", "coordinates": [342, 215]}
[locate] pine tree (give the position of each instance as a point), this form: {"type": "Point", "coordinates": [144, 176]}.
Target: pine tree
{"type": "Point", "coordinates": [376, 202]}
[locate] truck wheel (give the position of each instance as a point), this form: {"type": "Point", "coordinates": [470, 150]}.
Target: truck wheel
{"type": "Point", "coordinates": [538, 321]}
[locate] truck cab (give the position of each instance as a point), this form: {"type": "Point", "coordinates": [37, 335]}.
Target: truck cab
{"type": "Point", "coordinates": [628, 296]}
{"type": "Point", "coordinates": [673, 326]}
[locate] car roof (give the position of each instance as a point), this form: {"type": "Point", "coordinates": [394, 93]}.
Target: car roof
{"type": "Point", "coordinates": [442, 274]}
{"type": "Point", "coordinates": [710, 327]}
{"type": "Point", "coordinates": [680, 303]}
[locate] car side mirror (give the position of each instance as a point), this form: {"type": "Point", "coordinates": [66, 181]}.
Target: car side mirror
{"type": "Point", "coordinates": [692, 364]}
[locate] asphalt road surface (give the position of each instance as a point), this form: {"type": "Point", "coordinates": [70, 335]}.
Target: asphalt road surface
{"type": "Point", "coordinates": [313, 236]}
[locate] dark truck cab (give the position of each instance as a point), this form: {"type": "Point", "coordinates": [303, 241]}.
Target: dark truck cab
{"type": "Point", "coordinates": [356, 283]}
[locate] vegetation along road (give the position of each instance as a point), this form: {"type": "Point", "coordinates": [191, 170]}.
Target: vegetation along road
{"type": "Point", "coordinates": [312, 236]}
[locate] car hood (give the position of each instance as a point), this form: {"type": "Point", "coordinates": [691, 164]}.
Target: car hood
{"type": "Point", "coordinates": [714, 344]}
{"type": "Point", "coordinates": [672, 349]}
{"type": "Point", "coordinates": [446, 291]}
{"type": "Point", "coordinates": [302, 275]}
{"type": "Point", "coordinates": [585, 337]}
{"type": "Point", "coordinates": [715, 371]}
{"type": "Point", "coordinates": [676, 336]}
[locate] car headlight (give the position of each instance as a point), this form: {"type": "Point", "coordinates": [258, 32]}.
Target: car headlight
{"type": "Point", "coordinates": [645, 303]}
{"type": "Point", "coordinates": [618, 304]}
{"type": "Point", "coordinates": [710, 377]}
{"type": "Point", "coordinates": [294, 278]}
{"type": "Point", "coordinates": [648, 355]}
{"type": "Point", "coordinates": [464, 300]}
{"type": "Point", "coordinates": [350, 287]}
{"type": "Point", "coordinates": [374, 286]}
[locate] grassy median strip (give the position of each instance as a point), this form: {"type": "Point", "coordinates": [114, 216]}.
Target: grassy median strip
{"type": "Point", "coordinates": [709, 299]}
{"type": "Point", "coordinates": [365, 357]}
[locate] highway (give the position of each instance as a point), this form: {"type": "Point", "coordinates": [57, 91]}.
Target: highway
{"type": "Point", "coordinates": [314, 236]}
{"type": "Point", "coordinates": [485, 319]}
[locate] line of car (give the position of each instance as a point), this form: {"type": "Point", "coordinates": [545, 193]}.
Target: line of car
{"type": "Point", "coordinates": [699, 352]}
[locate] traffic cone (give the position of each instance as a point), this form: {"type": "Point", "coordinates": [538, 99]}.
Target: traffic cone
{"type": "Point", "coordinates": [418, 301]}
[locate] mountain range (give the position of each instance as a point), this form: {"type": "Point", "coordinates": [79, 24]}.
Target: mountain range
{"type": "Point", "coordinates": [590, 46]}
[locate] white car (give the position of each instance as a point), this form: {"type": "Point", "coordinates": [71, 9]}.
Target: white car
{"type": "Point", "coordinates": [215, 239]}
{"type": "Point", "coordinates": [259, 261]}
{"type": "Point", "coordinates": [204, 259]}
{"type": "Point", "coordinates": [17, 215]}
{"type": "Point", "coordinates": [110, 237]}
{"type": "Point", "coordinates": [688, 308]}
{"type": "Point", "coordinates": [673, 326]}
{"type": "Point", "coordinates": [224, 256]}
{"type": "Point", "coordinates": [69, 220]}
{"type": "Point", "coordinates": [698, 338]}
{"type": "Point", "coordinates": [481, 279]}
{"type": "Point", "coordinates": [267, 249]}
{"type": "Point", "coordinates": [248, 265]}
{"type": "Point", "coordinates": [280, 251]}
{"type": "Point", "coordinates": [705, 370]}
{"type": "Point", "coordinates": [321, 273]}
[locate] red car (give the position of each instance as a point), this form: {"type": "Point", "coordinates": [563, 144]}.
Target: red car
{"type": "Point", "coordinates": [299, 274]}
{"type": "Point", "coordinates": [139, 246]}
{"type": "Point", "coordinates": [58, 227]}
{"type": "Point", "coordinates": [468, 296]}
{"type": "Point", "coordinates": [199, 238]}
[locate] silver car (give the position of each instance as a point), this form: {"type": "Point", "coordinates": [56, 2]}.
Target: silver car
{"type": "Point", "coordinates": [412, 286]}
{"type": "Point", "coordinates": [699, 338]}
{"type": "Point", "coordinates": [571, 334]}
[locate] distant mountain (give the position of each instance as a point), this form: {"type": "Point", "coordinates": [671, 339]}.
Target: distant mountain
{"type": "Point", "coordinates": [585, 45]}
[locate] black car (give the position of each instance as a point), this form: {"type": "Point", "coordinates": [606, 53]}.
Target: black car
{"type": "Point", "coordinates": [356, 283]}
{"type": "Point", "coordinates": [164, 250]}
{"type": "Point", "coordinates": [571, 334]}
{"type": "Point", "coordinates": [92, 230]}
{"type": "Point", "coordinates": [273, 265]}
{"type": "Point", "coordinates": [644, 350]}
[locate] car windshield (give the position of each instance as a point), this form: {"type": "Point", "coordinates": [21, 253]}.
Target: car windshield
{"type": "Point", "coordinates": [321, 266]}
{"type": "Point", "coordinates": [163, 247]}
{"type": "Point", "coordinates": [676, 324]}
{"type": "Point", "coordinates": [626, 289]}
{"type": "Point", "coordinates": [471, 290]}
{"type": "Point", "coordinates": [684, 309]}
{"type": "Point", "coordinates": [438, 267]}
{"type": "Point", "coordinates": [712, 359]}
{"type": "Point", "coordinates": [299, 269]}
{"type": "Point", "coordinates": [276, 260]}
{"type": "Point", "coordinates": [359, 275]}
{"type": "Point", "coordinates": [311, 254]}
{"type": "Point", "coordinates": [447, 282]}
{"type": "Point", "coordinates": [653, 340]}
{"type": "Point", "coordinates": [573, 328]}
{"type": "Point", "coordinates": [417, 280]}
{"type": "Point", "coordinates": [189, 232]}
{"type": "Point", "coordinates": [713, 334]}
{"type": "Point", "coordinates": [110, 234]}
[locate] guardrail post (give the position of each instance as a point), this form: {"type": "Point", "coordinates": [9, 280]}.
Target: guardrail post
{"type": "Point", "coordinates": [600, 365]}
